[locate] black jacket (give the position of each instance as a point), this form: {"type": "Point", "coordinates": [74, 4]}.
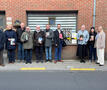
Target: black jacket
{"type": "Point", "coordinates": [10, 34]}
{"type": "Point", "coordinates": [19, 34]}
{"type": "Point", "coordinates": [92, 42]}
{"type": "Point", "coordinates": [37, 35]}
{"type": "Point", "coordinates": [2, 40]}
{"type": "Point", "coordinates": [56, 37]}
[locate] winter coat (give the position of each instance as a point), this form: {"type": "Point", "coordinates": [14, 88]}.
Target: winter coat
{"type": "Point", "coordinates": [10, 34]}
{"type": "Point", "coordinates": [19, 34]}
{"type": "Point", "coordinates": [27, 39]}
{"type": "Point", "coordinates": [49, 38]}
{"type": "Point", "coordinates": [37, 36]}
{"type": "Point", "coordinates": [57, 40]}
{"type": "Point", "coordinates": [92, 42]}
{"type": "Point", "coordinates": [100, 41]}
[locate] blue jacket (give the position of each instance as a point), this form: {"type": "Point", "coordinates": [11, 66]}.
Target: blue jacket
{"type": "Point", "coordinates": [10, 34]}
{"type": "Point", "coordinates": [85, 35]}
{"type": "Point", "coordinates": [2, 40]}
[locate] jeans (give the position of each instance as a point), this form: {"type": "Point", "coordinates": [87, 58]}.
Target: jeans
{"type": "Point", "coordinates": [48, 51]}
{"type": "Point", "coordinates": [58, 51]}
{"type": "Point", "coordinates": [39, 53]}
{"type": "Point", "coordinates": [92, 53]}
{"type": "Point", "coordinates": [20, 51]}
{"type": "Point", "coordinates": [11, 56]}
{"type": "Point", "coordinates": [28, 55]}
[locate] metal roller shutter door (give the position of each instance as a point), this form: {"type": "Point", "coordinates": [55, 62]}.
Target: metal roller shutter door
{"type": "Point", "coordinates": [67, 21]}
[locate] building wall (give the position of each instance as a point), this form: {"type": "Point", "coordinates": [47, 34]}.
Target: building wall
{"type": "Point", "coordinates": [17, 10]}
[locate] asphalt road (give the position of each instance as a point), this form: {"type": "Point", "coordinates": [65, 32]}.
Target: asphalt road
{"type": "Point", "coordinates": [54, 80]}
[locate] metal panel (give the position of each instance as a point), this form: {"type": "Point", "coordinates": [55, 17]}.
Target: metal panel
{"type": "Point", "coordinates": [66, 20]}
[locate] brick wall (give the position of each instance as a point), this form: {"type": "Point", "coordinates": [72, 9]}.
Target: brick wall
{"type": "Point", "coordinates": [17, 9]}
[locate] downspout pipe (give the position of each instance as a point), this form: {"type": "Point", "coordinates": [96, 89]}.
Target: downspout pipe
{"type": "Point", "coordinates": [94, 13]}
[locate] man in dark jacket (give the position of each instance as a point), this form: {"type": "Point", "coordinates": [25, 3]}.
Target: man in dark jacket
{"type": "Point", "coordinates": [11, 39]}
{"type": "Point", "coordinates": [2, 41]}
{"type": "Point", "coordinates": [58, 41]}
{"type": "Point", "coordinates": [20, 44]}
{"type": "Point", "coordinates": [39, 38]}
{"type": "Point", "coordinates": [48, 43]}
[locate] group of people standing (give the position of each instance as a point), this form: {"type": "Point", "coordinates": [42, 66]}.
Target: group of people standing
{"type": "Point", "coordinates": [27, 40]}
{"type": "Point", "coordinates": [94, 41]}
{"type": "Point", "coordinates": [39, 40]}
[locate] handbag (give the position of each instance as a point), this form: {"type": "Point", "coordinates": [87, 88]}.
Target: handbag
{"type": "Point", "coordinates": [64, 43]}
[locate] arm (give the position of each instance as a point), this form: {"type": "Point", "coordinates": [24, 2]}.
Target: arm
{"type": "Point", "coordinates": [43, 36]}
{"type": "Point", "coordinates": [78, 37]}
{"type": "Point", "coordinates": [15, 36]}
{"type": "Point", "coordinates": [102, 43]}
{"type": "Point", "coordinates": [22, 38]}
{"type": "Point", "coordinates": [55, 39]}
{"type": "Point", "coordinates": [87, 37]}
{"type": "Point", "coordinates": [5, 40]}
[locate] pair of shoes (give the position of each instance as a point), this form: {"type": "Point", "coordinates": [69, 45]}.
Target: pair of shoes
{"type": "Point", "coordinates": [37, 61]}
{"type": "Point", "coordinates": [41, 61]}
{"type": "Point", "coordinates": [97, 63]}
{"type": "Point", "coordinates": [82, 61]}
{"type": "Point", "coordinates": [55, 62]}
{"type": "Point", "coordinates": [26, 63]}
{"type": "Point", "coordinates": [2, 65]}
{"type": "Point", "coordinates": [101, 65]}
{"type": "Point", "coordinates": [60, 61]}
{"type": "Point", "coordinates": [10, 63]}
{"type": "Point", "coordinates": [30, 62]}
{"type": "Point", "coordinates": [90, 61]}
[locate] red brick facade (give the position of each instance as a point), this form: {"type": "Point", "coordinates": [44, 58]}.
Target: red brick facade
{"type": "Point", "coordinates": [17, 9]}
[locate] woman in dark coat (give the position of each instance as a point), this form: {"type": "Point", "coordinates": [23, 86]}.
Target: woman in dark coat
{"type": "Point", "coordinates": [92, 49]}
{"type": "Point", "coordinates": [11, 39]}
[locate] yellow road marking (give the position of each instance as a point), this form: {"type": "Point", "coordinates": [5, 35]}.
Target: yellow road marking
{"type": "Point", "coordinates": [82, 69]}
{"type": "Point", "coordinates": [33, 68]}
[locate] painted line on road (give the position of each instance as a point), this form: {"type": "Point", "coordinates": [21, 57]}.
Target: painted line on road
{"type": "Point", "coordinates": [82, 69]}
{"type": "Point", "coordinates": [37, 68]}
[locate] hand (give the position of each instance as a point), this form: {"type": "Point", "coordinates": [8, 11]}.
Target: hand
{"type": "Point", "coordinates": [14, 44]}
{"type": "Point", "coordinates": [9, 39]}
{"type": "Point", "coordinates": [81, 39]}
{"type": "Point", "coordinates": [40, 42]}
{"type": "Point", "coordinates": [46, 35]}
{"type": "Point", "coordinates": [101, 47]}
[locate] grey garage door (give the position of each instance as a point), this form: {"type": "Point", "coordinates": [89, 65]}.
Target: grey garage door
{"type": "Point", "coordinates": [67, 20]}
{"type": "Point", "coordinates": [2, 19]}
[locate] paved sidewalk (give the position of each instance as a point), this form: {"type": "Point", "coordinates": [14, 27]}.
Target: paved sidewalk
{"type": "Point", "coordinates": [66, 65]}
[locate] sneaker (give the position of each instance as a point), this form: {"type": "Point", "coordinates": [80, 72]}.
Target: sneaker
{"type": "Point", "coordinates": [101, 65]}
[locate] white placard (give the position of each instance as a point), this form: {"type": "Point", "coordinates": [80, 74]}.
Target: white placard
{"type": "Point", "coordinates": [9, 18]}
{"type": "Point", "coordinates": [74, 41]}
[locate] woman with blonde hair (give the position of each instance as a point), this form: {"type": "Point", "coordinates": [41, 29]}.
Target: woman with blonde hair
{"type": "Point", "coordinates": [10, 38]}
{"type": "Point", "coordinates": [100, 44]}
